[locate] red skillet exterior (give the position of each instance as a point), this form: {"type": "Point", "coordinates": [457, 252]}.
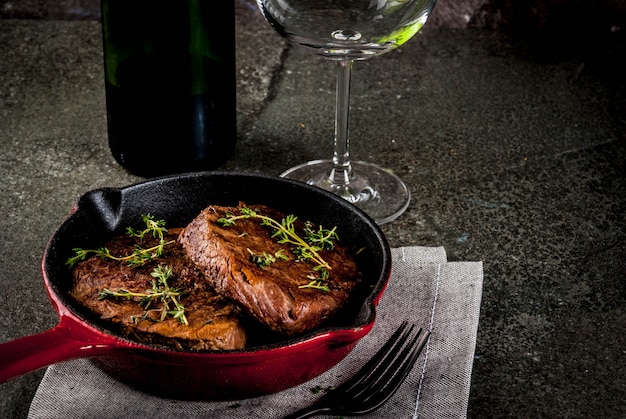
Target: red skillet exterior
{"type": "Point", "coordinates": [204, 376]}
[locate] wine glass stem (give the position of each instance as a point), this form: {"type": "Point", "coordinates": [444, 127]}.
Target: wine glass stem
{"type": "Point", "coordinates": [341, 173]}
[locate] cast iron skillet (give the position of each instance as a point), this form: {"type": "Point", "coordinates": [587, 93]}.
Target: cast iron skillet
{"type": "Point", "coordinates": [265, 368]}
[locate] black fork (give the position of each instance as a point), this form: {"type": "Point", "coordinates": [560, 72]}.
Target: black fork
{"type": "Point", "coordinates": [377, 380]}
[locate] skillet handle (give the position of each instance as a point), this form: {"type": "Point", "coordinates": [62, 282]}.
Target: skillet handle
{"type": "Point", "coordinates": [33, 352]}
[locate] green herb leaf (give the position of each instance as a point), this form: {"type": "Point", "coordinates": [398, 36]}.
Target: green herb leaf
{"type": "Point", "coordinates": [139, 256]}
{"type": "Point", "coordinates": [160, 291]}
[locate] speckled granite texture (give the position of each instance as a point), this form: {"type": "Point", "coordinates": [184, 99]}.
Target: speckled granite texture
{"type": "Point", "coordinates": [514, 152]}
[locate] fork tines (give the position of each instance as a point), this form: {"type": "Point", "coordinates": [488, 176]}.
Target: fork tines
{"type": "Point", "coordinates": [382, 375]}
{"type": "Point", "coordinates": [377, 380]}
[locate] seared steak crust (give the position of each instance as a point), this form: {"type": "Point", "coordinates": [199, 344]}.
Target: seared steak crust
{"type": "Point", "coordinates": [214, 322]}
{"type": "Point", "coordinates": [271, 294]}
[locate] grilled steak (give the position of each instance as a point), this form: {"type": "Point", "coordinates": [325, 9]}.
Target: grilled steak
{"type": "Point", "coordinates": [271, 294]}
{"type": "Point", "coordinates": [214, 322]}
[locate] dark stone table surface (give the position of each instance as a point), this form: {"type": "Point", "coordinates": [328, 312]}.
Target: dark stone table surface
{"type": "Point", "coordinates": [514, 153]}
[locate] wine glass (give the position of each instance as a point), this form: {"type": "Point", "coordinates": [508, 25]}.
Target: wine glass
{"type": "Point", "coordinates": [346, 31]}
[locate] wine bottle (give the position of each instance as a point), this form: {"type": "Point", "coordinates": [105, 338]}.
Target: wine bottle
{"type": "Point", "coordinates": [170, 84]}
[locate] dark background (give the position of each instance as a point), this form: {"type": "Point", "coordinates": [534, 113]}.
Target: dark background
{"type": "Point", "coordinates": [513, 140]}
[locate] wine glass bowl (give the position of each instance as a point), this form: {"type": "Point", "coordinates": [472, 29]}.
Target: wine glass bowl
{"type": "Point", "coordinates": [346, 31]}
{"type": "Point", "coordinates": [341, 30]}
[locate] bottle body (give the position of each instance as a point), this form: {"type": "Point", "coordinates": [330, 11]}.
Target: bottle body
{"type": "Point", "coordinates": [170, 84]}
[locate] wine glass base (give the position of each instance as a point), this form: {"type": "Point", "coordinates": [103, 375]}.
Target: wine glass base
{"type": "Point", "coordinates": [377, 191]}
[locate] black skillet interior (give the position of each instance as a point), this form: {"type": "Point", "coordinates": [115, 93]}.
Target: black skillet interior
{"type": "Point", "coordinates": [103, 213]}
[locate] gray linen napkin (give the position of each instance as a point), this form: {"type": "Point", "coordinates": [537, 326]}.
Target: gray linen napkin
{"type": "Point", "coordinates": [441, 296]}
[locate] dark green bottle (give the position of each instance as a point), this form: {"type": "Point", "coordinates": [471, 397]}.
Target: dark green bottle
{"type": "Point", "coordinates": [170, 83]}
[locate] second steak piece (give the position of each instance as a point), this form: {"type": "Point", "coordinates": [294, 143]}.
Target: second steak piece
{"type": "Point", "coordinates": [272, 294]}
{"type": "Point", "coordinates": [214, 321]}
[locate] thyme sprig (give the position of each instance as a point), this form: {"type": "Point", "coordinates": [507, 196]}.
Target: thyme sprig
{"type": "Point", "coordinates": [140, 256]}
{"type": "Point", "coordinates": [156, 227]}
{"type": "Point", "coordinates": [305, 248]}
{"type": "Point", "coordinates": [161, 290]}
{"type": "Point", "coordinates": [266, 259]}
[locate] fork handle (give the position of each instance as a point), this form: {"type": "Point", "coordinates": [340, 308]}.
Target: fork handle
{"type": "Point", "coordinates": [309, 411]}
